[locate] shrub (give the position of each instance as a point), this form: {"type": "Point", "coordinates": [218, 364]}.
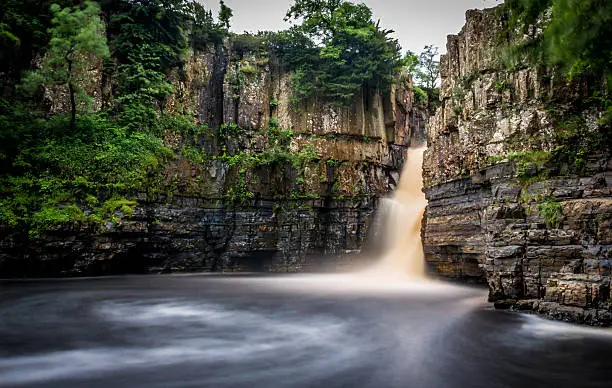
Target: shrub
{"type": "Point", "coordinates": [552, 211]}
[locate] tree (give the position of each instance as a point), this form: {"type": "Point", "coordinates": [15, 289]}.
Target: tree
{"type": "Point", "coordinates": [576, 36]}
{"type": "Point", "coordinates": [428, 71]}
{"type": "Point", "coordinates": [411, 62]}
{"type": "Point", "coordinates": [77, 42]}
{"type": "Point", "coordinates": [201, 26]}
{"type": "Point", "coordinates": [344, 50]}
{"type": "Point", "coordinates": [225, 14]}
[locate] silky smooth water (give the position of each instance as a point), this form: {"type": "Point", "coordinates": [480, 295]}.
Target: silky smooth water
{"type": "Point", "coordinates": [400, 226]}
{"type": "Point", "coordinates": [386, 326]}
{"type": "Point", "coordinates": [282, 331]}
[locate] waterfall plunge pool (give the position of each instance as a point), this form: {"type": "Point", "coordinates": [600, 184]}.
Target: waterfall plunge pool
{"type": "Point", "coordinates": [282, 331]}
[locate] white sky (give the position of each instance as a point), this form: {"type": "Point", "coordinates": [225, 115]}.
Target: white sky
{"type": "Point", "coordinates": [416, 22]}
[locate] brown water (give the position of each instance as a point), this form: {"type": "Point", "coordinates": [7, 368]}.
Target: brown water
{"type": "Point", "coordinates": [401, 217]}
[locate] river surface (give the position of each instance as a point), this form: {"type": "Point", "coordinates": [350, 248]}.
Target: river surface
{"type": "Point", "coordinates": [283, 331]}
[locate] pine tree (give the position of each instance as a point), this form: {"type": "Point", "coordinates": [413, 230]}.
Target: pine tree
{"type": "Point", "coordinates": [77, 42]}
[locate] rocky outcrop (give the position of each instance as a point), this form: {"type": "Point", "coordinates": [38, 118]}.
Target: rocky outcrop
{"type": "Point", "coordinates": [194, 234]}
{"type": "Point", "coordinates": [212, 213]}
{"type": "Point", "coordinates": [514, 200]}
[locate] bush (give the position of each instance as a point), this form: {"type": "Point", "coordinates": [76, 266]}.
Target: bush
{"type": "Point", "coordinates": [552, 211]}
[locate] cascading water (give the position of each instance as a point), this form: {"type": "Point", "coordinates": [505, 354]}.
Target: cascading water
{"type": "Point", "coordinates": [399, 226]}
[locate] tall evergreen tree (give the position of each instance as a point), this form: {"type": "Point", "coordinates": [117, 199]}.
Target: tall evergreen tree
{"type": "Point", "coordinates": [77, 42]}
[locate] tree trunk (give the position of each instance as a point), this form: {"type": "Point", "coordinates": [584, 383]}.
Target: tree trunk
{"type": "Point", "coordinates": [72, 98]}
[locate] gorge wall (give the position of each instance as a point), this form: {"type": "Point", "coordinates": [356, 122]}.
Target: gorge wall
{"type": "Point", "coordinates": [267, 184]}
{"type": "Point", "coordinates": [519, 179]}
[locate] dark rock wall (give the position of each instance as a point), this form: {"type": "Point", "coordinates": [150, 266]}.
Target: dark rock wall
{"type": "Point", "coordinates": [190, 234]}
{"type": "Point", "coordinates": [477, 230]}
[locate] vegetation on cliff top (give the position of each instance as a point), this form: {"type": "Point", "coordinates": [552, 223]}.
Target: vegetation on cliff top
{"type": "Point", "coordinates": [571, 35]}
{"type": "Point", "coordinates": [337, 50]}
{"type": "Point", "coordinates": [113, 61]}
{"type": "Point", "coordinates": [425, 70]}
{"type": "Point", "coordinates": [58, 168]}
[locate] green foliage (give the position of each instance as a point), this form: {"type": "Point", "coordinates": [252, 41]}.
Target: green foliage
{"type": "Point", "coordinates": [201, 27]}
{"type": "Point", "coordinates": [149, 41]}
{"type": "Point", "coordinates": [576, 35]}
{"type": "Point", "coordinates": [8, 41]}
{"type": "Point", "coordinates": [337, 50]}
{"type": "Point", "coordinates": [7, 216]}
{"type": "Point", "coordinates": [575, 142]}
{"type": "Point", "coordinates": [530, 166]}
{"type": "Point", "coordinates": [244, 44]}
{"type": "Point", "coordinates": [194, 155]}
{"type": "Point", "coordinates": [420, 96]}
{"type": "Point", "coordinates": [427, 73]}
{"type": "Point", "coordinates": [78, 41]}
{"type": "Point", "coordinates": [57, 174]}
{"type": "Point", "coordinates": [225, 14]}
{"type": "Point", "coordinates": [278, 152]}
{"type": "Point", "coordinates": [552, 211]}
{"type": "Point", "coordinates": [114, 209]}
{"type": "Point", "coordinates": [248, 70]}
{"type": "Point", "coordinates": [239, 192]}
{"type": "Point", "coordinates": [229, 130]}
{"type": "Point", "coordinates": [50, 217]}
{"type": "Point", "coordinates": [411, 62]}
{"type": "Point", "coordinates": [23, 37]}
{"type": "Point", "coordinates": [501, 85]}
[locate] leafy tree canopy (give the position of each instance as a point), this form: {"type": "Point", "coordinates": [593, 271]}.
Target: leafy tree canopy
{"type": "Point", "coordinates": [225, 14]}
{"type": "Point", "coordinates": [427, 72]}
{"type": "Point", "coordinates": [337, 50]}
{"type": "Point", "coordinates": [577, 33]}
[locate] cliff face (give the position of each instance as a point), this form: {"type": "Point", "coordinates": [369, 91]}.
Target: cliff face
{"type": "Point", "coordinates": [513, 200]}
{"type": "Point", "coordinates": [281, 211]}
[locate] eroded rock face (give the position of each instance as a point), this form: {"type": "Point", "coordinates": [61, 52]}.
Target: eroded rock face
{"type": "Point", "coordinates": [292, 218]}
{"type": "Point", "coordinates": [187, 234]}
{"type": "Point", "coordinates": [536, 231]}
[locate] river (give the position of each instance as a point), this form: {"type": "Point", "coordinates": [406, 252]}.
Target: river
{"type": "Point", "coordinates": [282, 331]}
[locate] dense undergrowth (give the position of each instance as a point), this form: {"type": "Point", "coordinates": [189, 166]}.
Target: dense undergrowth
{"type": "Point", "coordinates": [73, 152]}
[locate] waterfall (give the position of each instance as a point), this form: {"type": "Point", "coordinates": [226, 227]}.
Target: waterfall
{"type": "Point", "coordinates": [400, 225]}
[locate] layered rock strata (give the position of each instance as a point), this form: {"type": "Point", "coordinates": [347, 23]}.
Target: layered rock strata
{"type": "Point", "coordinates": [211, 213]}
{"type": "Point", "coordinates": [512, 202]}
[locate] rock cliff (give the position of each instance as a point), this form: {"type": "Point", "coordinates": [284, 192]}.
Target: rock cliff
{"type": "Point", "coordinates": [267, 184]}
{"type": "Point", "coordinates": [519, 179]}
